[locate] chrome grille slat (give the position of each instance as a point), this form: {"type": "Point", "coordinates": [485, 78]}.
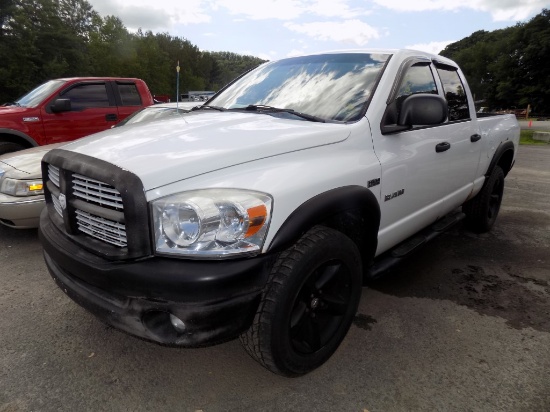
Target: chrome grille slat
{"type": "Point", "coordinates": [94, 191]}
{"type": "Point", "coordinates": [57, 205]}
{"type": "Point", "coordinates": [53, 174]}
{"type": "Point", "coordinates": [102, 229]}
{"type": "Point", "coordinates": [89, 179]}
{"type": "Point", "coordinates": [103, 202]}
{"type": "Point", "coordinates": [105, 189]}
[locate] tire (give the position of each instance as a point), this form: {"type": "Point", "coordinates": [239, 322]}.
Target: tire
{"type": "Point", "coordinates": [308, 304]}
{"type": "Point", "coordinates": [8, 147]}
{"type": "Point", "coordinates": [482, 211]}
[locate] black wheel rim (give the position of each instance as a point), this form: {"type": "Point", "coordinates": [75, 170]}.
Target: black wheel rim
{"type": "Point", "coordinates": [495, 199]}
{"type": "Point", "coordinates": [320, 307]}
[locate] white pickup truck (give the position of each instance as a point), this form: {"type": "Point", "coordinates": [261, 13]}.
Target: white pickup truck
{"type": "Point", "coordinates": [260, 213]}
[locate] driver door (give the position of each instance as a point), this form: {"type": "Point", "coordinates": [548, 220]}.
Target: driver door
{"type": "Point", "coordinates": [93, 109]}
{"type": "Point", "coordinates": [419, 165]}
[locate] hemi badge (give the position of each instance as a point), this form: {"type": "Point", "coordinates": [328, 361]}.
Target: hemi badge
{"type": "Point", "coordinates": [373, 182]}
{"type": "Point", "coordinates": [31, 119]}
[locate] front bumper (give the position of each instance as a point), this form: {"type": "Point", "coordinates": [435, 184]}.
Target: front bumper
{"type": "Point", "coordinates": [215, 300]}
{"type": "Point", "coordinates": [20, 212]}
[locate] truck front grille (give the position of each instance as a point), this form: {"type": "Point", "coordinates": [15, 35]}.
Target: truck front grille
{"type": "Point", "coordinates": [102, 229]}
{"type": "Point", "coordinates": [97, 205]}
{"type": "Point", "coordinates": [106, 196]}
{"type": "Point", "coordinates": [94, 191]}
{"type": "Point", "coordinates": [57, 205]}
{"type": "Point", "coordinates": [53, 176]}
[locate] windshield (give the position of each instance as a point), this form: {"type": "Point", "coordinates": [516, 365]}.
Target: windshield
{"type": "Point", "coordinates": [328, 86]}
{"type": "Point", "coordinates": [37, 95]}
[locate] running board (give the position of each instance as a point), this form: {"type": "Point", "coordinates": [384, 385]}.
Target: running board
{"type": "Point", "coordinates": [388, 260]}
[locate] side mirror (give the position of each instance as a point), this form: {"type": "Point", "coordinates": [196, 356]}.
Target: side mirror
{"type": "Point", "coordinates": [423, 110]}
{"type": "Point", "coordinates": [61, 105]}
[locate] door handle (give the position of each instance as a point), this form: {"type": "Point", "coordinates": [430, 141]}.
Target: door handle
{"type": "Point", "coordinates": [442, 147]}
{"type": "Point", "coordinates": [111, 117]}
{"type": "Point", "coordinates": [475, 137]}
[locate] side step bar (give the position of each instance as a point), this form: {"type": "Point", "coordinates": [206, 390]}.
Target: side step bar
{"type": "Point", "coordinates": [388, 260]}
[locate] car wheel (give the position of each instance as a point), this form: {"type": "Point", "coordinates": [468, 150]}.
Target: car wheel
{"type": "Point", "coordinates": [481, 211]}
{"type": "Point", "coordinates": [8, 147]}
{"type": "Point", "coordinates": [308, 304]}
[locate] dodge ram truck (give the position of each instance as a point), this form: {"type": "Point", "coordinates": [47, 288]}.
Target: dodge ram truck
{"type": "Point", "coordinates": [62, 110]}
{"type": "Point", "coordinates": [260, 214]}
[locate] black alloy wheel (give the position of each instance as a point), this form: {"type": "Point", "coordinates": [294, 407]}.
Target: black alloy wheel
{"type": "Point", "coordinates": [308, 304]}
{"type": "Point", "coordinates": [319, 307]}
{"type": "Point", "coordinates": [482, 211]}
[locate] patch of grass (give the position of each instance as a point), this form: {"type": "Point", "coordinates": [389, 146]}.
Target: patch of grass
{"type": "Point", "coordinates": [526, 137]}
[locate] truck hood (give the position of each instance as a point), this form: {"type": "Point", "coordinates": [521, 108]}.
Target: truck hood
{"type": "Point", "coordinates": [15, 110]}
{"type": "Point", "coordinates": [167, 151]}
{"type": "Point", "coordinates": [25, 164]}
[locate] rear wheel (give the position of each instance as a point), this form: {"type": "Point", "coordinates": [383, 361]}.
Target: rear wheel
{"type": "Point", "coordinates": [308, 305]}
{"type": "Point", "coordinates": [482, 211]}
{"type": "Point", "coordinates": [8, 147]}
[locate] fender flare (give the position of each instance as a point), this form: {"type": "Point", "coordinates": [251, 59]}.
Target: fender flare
{"type": "Point", "coordinates": [501, 150]}
{"type": "Point", "coordinates": [28, 139]}
{"type": "Point", "coordinates": [352, 208]}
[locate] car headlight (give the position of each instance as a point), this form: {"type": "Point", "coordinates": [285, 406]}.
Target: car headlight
{"type": "Point", "coordinates": [16, 187]}
{"type": "Point", "coordinates": [211, 223]}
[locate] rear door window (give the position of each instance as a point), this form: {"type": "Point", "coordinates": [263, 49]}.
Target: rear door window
{"type": "Point", "coordinates": [454, 93]}
{"type": "Point", "coordinates": [129, 94]}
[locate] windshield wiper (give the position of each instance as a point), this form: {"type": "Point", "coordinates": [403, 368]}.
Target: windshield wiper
{"type": "Point", "coordinates": [12, 104]}
{"type": "Point", "coordinates": [207, 106]}
{"type": "Point", "coordinates": [271, 109]}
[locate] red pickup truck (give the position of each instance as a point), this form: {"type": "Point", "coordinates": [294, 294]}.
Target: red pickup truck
{"type": "Point", "coordinates": [62, 110]}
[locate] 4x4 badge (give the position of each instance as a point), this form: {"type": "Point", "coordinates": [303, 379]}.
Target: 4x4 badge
{"type": "Point", "coordinates": [62, 201]}
{"type": "Point", "coordinates": [394, 194]}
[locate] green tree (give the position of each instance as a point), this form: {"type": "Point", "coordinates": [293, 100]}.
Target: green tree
{"type": "Point", "coordinates": [533, 57]}
{"type": "Point", "coordinates": [79, 16]}
{"type": "Point", "coordinates": [111, 48]}
{"type": "Point", "coordinates": [45, 39]}
{"type": "Point", "coordinates": [41, 39]}
{"type": "Point", "coordinates": [231, 65]}
{"type": "Point", "coordinates": [508, 68]}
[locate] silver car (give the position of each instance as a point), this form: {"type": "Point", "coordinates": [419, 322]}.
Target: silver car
{"type": "Point", "coordinates": [21, 192]}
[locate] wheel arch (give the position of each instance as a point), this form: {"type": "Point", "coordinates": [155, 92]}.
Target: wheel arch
{"type": "Point", "coordinates": [503, 157]}
{"type": "Point", "coordinates": [352, 210]}
{"type": "Point", "coordinates": [15, 136]}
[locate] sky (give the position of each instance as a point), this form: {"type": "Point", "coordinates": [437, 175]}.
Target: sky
{"type": "Point", "coordinates": [274, 29]}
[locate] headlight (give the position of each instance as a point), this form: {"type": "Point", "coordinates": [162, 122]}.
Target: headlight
{"type": "Point", "coordinates": [15, 187]}
{"type": "Point", "coordinates": [212, 223]}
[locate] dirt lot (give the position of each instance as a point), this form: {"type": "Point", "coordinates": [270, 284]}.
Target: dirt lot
{"type": "Point", "coordinates": [464, 326]}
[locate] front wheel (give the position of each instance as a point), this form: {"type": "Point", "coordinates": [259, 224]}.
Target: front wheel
{"type": "Point", "coordinates": [8, 147]}
{"type": "Point", "coordinates": [481, 211]}
{"type": "Point", "coordinates": [308, 305]}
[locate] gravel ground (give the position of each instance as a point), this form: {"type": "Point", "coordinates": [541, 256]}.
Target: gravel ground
{"type": "Point", "coordinates": [464, 325]}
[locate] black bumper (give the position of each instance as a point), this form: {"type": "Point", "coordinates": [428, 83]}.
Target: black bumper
{"type": "Point", "coordinates": [216, 300]}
